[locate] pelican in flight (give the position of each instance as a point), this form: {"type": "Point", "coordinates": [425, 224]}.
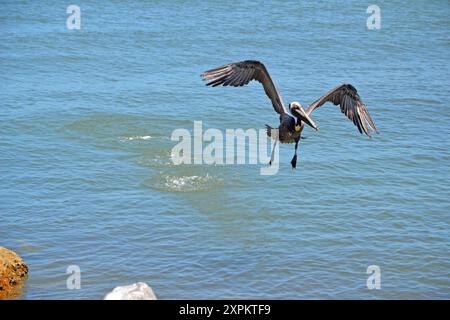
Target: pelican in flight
{"type": "Point", "coordinates": [293, 121]}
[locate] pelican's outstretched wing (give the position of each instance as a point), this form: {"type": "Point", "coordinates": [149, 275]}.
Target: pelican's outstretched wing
{"type": "Point", "coordinates": [346, 96]}
{"type": "Point", "coordinates": [241, 73]}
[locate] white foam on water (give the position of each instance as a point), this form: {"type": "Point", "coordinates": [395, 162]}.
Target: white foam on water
{"type": "Point", "coordinates": [192, 183]}
{"type": "Point", "coordinates": [131, 138]}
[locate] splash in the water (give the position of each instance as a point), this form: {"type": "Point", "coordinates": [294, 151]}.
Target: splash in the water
{"type": "Point", "coordinates": [173, 183]}
{"type": "Point", "coordinates": [131, 138]}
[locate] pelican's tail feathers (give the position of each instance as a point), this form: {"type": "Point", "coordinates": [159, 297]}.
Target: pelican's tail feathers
{"type": "Point", "coordinates": [272, 132]}
{"type": "Point", "coordinates": [268, 129]}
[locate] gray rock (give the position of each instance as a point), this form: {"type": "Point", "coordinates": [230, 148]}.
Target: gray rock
{"type": "Point", "coordinates": [135, 291]}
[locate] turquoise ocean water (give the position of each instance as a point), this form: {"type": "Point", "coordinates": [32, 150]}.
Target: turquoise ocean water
{"type": "Point", "coordinates": [87, 179]}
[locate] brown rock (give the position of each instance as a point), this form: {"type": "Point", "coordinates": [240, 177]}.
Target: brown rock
{"type": "Point", "coordinates": [13, 272]}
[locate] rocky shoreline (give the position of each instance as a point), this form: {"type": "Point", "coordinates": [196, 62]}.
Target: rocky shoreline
{"type": "Point", "coordinates": [14, 272]}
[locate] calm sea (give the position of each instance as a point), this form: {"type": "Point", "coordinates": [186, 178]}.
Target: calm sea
{"type": "Point", "coordinates": [87, 178]}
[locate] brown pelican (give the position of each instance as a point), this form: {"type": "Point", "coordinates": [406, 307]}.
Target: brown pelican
{"type": "Point", "coordinates": [291, 123]}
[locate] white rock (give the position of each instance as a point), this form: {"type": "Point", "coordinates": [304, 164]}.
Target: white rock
{"type": "Point", "coordinates": [135, 291]}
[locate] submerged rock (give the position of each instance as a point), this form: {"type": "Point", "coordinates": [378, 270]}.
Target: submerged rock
{"type": "Point", "coordinates": [135, 291]}
{"type": "Point", "coordinates": [13, 272]}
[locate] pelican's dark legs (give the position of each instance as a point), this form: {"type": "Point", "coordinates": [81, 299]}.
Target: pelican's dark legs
{"type": "Point", "coordinates": [273, 152]}
{"type": "Point", "coordinates": [294, 159]}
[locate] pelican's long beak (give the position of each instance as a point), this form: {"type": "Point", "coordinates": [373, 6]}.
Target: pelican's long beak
{"type": "Point", "coordinates": [305, 118]}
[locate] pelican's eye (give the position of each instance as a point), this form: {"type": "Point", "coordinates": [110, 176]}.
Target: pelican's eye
{"type": "Point", "coordinates": [297, 128]}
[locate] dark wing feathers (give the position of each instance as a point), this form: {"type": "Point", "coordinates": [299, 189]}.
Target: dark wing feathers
{"type": "Point", "coordinates": [241, 73]}
{"type": "Point", "coordinates": [348, 99]}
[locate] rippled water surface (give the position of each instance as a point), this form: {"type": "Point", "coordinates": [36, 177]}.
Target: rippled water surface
{"type": "Point", "coordinates": [87, 178]}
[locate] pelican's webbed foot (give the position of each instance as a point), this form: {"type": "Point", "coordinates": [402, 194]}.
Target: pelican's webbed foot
{"type": "Point", "coordinates": [294, 162]}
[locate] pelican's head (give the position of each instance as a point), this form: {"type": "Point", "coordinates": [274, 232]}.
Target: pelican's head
{"type": "Point", "coordinates": [295, 106]}
{"type": "Point", "coordinates": [300, 113]}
